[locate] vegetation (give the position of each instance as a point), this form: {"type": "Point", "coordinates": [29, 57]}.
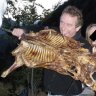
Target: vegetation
{"type": "Point", "coordinates": [23, 77]}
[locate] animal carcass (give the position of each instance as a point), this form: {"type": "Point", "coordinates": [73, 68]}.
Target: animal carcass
{"type": "Point", "coordinates": [49, 49]}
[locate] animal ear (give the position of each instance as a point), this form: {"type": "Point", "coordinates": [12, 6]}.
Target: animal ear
{"type": "Point", "coordinates": [78, 28]}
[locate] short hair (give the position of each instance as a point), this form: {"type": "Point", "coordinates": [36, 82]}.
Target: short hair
{"type": "Point", "coordinates": [73, 11]}
{"type": "Point", "coordinates": [87, 31]}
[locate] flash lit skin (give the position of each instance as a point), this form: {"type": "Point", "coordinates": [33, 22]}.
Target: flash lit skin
{"type": "Point", "coordinates": [68, 25]}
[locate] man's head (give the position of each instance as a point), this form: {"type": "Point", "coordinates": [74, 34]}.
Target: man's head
{"type": "Point", "coordinates": [70, 21]}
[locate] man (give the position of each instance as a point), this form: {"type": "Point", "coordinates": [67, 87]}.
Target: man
{"type": "Point", "coordinates": [54, 83]}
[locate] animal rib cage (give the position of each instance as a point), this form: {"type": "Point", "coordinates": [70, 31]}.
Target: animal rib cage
{"type": "Point", "coordinates": [49, 49]}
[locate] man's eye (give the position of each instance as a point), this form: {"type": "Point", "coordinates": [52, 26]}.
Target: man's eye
{"type": "Point", "coordinates": [69, 25]}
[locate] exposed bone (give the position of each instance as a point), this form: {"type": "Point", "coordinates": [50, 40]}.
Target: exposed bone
{"type": "Point", "coordinates": [49, 49]}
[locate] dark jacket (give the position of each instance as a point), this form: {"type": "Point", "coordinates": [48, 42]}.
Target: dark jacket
{"type": "Point", "coordinates": [59, 84]}
{"type": "Point", "coordinates": [7, 44]}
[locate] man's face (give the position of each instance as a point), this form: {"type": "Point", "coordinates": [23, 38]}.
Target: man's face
{"type": "Point", "coordinates": [68, 25]}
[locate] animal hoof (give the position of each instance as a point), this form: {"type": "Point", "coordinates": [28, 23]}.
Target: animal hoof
{"type": "Point", "coordinates": [4, 74]}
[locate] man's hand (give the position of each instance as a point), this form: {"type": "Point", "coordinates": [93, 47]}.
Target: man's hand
{"type": "Point", "coordinates": [18, 32]}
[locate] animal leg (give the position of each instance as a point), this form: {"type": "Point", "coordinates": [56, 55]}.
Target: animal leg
{"type": "Point", "coordinates": [18, 63]}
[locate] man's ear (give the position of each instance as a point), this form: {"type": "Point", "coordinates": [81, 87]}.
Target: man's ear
{"type": "Point", "coordinates": [78, 28]}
